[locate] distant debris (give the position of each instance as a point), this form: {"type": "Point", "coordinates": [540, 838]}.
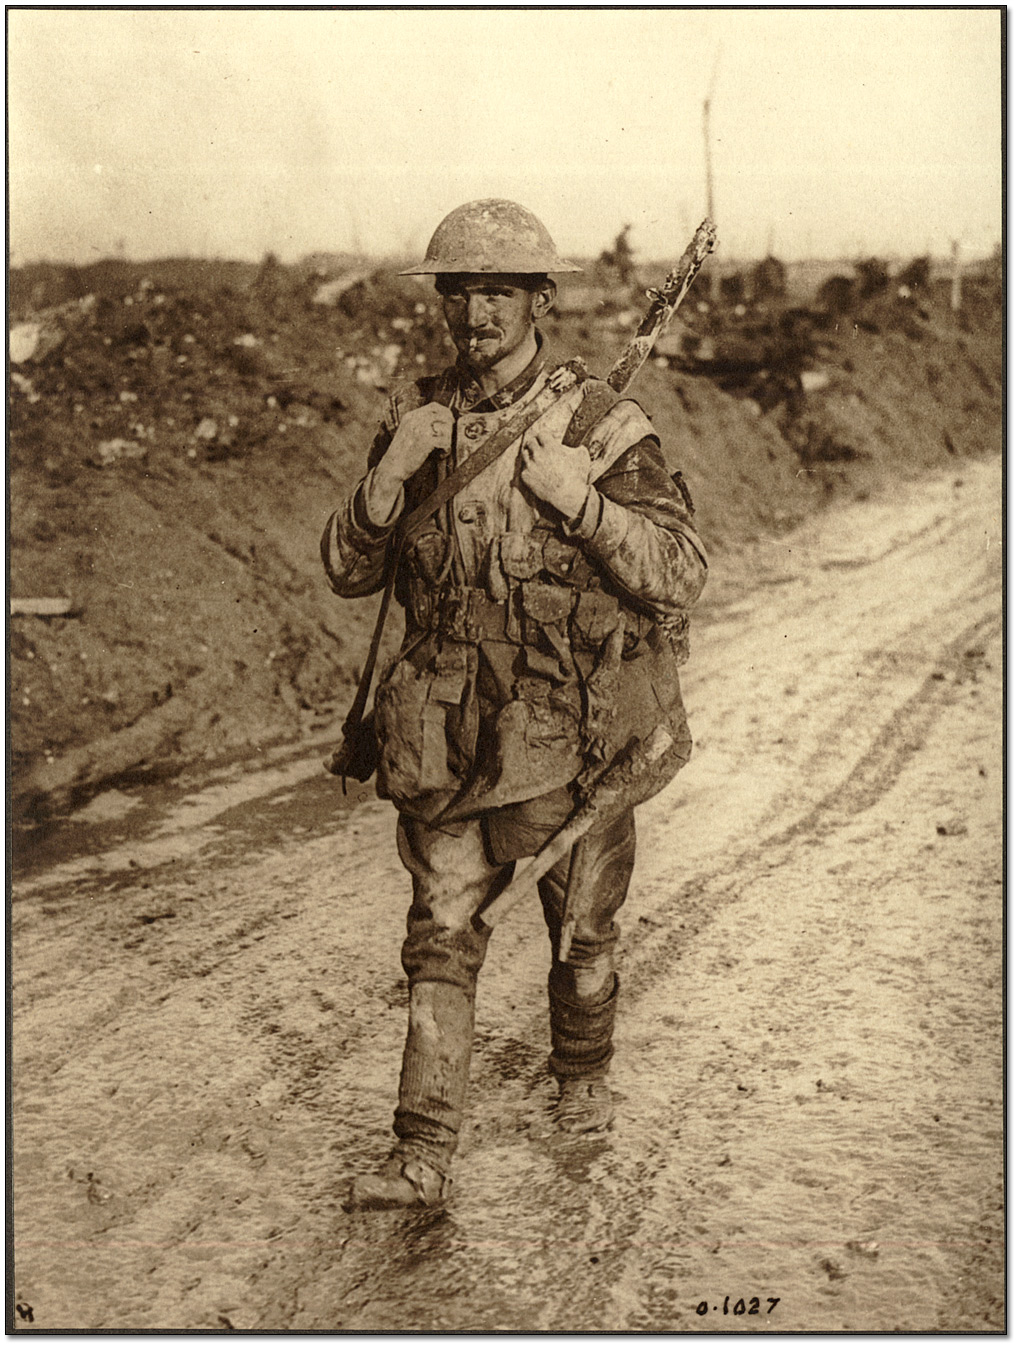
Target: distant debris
{"type": "Point", "coordinates": [733, 289]}
{"type": "Point", "coordinates": [916, 276]}
{"type": "Point", "coordinates": [36, 338]}
{"type": "Point", "coordinates": [378, 367]}
{"type": "Point", "coordinates": [814, 380]}
{"type": "Point", "coordinates": [47, 607]}
{"type": "Point", "coordinates": [836, 295]}
{"type": "Point", "coordinates": [769, 280]}
{"type": "Point", "coordinates": [618, 262]}
{"type": "Point", "coordinates": [331, 291]}
{"type": "Point", "coordinates": [115, 449]}
{"type": "Point", "coordinates": [23, 342]}
{"type": "Point", "coordinates": [873, 277]}
{"type": "Point", "coordinates": [24, 386]}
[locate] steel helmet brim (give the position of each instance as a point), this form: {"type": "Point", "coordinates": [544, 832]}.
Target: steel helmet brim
{"type": "Point", "coordinates": [491, 236]}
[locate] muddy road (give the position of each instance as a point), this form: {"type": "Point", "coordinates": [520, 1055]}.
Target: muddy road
{"type": "Point", "coordinates": [209, 1011]}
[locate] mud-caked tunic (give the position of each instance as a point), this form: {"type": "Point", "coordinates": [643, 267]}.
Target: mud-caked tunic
{"type": "Point", "coordinates": [535, 650]}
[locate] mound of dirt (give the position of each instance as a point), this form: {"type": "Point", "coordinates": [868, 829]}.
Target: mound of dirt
{"type": "Point", "coordinates": [179, 432]}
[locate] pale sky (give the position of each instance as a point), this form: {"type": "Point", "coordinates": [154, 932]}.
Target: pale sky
{"type": "Point", "coordinates": [229, 133]}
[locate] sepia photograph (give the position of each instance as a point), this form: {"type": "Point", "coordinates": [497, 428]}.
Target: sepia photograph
{"type": "Point", "coordinates": [506, 702]}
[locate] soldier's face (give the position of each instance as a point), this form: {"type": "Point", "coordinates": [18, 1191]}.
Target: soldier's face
{"type": "Point", "coordinates": [489, 316]}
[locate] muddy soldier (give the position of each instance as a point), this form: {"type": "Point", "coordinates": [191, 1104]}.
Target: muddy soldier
{"type": "Point", "coordinates": [545, 608]}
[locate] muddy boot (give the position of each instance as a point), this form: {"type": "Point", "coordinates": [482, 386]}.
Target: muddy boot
{"type": "Point", "coordinates": [582, 1038]}
{"type": "Point", "coordinates": [399, 1184]}
{"type": "Point", "coordinates": [584, 1104]}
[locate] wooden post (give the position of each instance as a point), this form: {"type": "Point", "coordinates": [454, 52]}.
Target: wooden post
{"type": "Point", "coordinates": [713, 271]}
{"type": "Point", "coordinates": [956, 276]}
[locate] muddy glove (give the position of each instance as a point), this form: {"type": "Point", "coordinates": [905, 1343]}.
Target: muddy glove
{"type": "Point", "coordinates": [420, 432]}
{"type": "Point", "coordinates": [555, 472]}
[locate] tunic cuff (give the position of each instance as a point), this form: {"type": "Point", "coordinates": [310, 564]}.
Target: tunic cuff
{"type": "Point", "coordinates": [587, 522]}
{"type": "Point", "coordinates": [374, 531]}
{"type": "Point", "coordinates": [611, 527]}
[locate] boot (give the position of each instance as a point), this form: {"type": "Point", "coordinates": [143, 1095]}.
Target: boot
{"type": "Point", "coordinates": [399, 1185]}
{"type": "Point", "coordinates": [585, 1104]}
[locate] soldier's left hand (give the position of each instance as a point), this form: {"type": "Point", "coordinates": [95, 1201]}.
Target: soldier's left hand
{"type": "Point", "coordinates": [555, 472]}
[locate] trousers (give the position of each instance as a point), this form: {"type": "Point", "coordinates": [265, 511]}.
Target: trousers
{"type": "Point", "coordinates": [456, 869]}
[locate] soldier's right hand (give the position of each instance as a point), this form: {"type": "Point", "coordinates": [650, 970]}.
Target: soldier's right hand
{"type": "Point", "coordinates": [419, 433]}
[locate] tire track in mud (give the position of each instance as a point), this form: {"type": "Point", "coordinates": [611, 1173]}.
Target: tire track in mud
{"type": "Point", "coordinates": [903, 734]}
{"type": "Point", "coordinates": [659, 945]}
{"type": "Point", "coordinates": [644, 1274]}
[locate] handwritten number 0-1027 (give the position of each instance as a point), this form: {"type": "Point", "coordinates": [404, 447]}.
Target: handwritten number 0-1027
{"type": "Point", "coordinates": [739, 1308]}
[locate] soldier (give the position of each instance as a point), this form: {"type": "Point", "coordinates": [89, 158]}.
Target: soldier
{"type": "Point", "coordinates": [545, 610]}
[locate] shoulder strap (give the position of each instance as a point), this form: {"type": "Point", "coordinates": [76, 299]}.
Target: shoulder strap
{"type": "Point", "coordinates": [598, 401]}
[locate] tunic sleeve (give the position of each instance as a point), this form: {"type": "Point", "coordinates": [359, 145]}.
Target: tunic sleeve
{"type": "Point", "coordinates": [637, 524]}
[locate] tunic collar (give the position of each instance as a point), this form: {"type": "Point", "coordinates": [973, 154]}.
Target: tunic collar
{"type": "Point", "coordinates": [471, 397]}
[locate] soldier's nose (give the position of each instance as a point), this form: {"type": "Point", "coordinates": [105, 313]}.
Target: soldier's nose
{"type": "Point", "coordinates": [477, 315]}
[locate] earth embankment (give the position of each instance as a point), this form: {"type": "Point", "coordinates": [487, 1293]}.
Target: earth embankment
{"type": "Point", "coordinates": [180, 431]}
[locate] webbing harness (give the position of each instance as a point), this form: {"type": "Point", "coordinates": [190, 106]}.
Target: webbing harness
{"type": "Point", "coordinates": [559, 384]}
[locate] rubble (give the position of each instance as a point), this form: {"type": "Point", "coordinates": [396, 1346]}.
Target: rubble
{"type": "Point", "coordinates": [42, 606]}
{"type": "Point", "coordinates": [23, 341]}
{"type": "Point", "coordinates": [109, 452]}
{"type": "Point", "coordinates": [329, 292]}
{"type": "Point", "coordinates": [36, 338]}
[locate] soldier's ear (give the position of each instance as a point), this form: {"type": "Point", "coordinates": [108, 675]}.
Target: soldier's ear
{"type": "Point", "coordinates": [543, 298]}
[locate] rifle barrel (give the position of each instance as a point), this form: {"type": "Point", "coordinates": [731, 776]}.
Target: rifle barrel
{"type": "Point", "coordinates": [664, 303]}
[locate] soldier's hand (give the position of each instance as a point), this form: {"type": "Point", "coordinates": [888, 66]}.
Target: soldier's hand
{"type": "Point", "coordinates": [555, 472]}
{"type": "Point", "coordinates": [419, 433]}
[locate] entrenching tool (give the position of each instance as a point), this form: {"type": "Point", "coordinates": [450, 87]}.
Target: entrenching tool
{"type": "Point", "coordinates": [354, 757]}
{"type": "Point", "coordinates": [629, 780]}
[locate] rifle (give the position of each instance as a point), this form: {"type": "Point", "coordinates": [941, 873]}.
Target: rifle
{"type": "Point", "coordinates": [354, 757]}
{"type": "Point", "coordinates": [631, 778]}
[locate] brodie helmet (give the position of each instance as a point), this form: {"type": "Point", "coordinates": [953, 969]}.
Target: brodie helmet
{"type": "Point", "coordinates": [491, 235]}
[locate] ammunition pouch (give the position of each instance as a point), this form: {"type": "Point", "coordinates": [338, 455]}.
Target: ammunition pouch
{"type": "Point", "coordinates": [467, 614]}
{"type": "Point", "coordinates": [422, 718]}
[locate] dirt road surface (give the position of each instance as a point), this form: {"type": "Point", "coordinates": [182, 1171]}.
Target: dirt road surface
{"type": "Point", "coordinates": [209, 1011]}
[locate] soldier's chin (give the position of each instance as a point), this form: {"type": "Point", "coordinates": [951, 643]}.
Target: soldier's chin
{"type": "Point", "coordinates": [481, 357]}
